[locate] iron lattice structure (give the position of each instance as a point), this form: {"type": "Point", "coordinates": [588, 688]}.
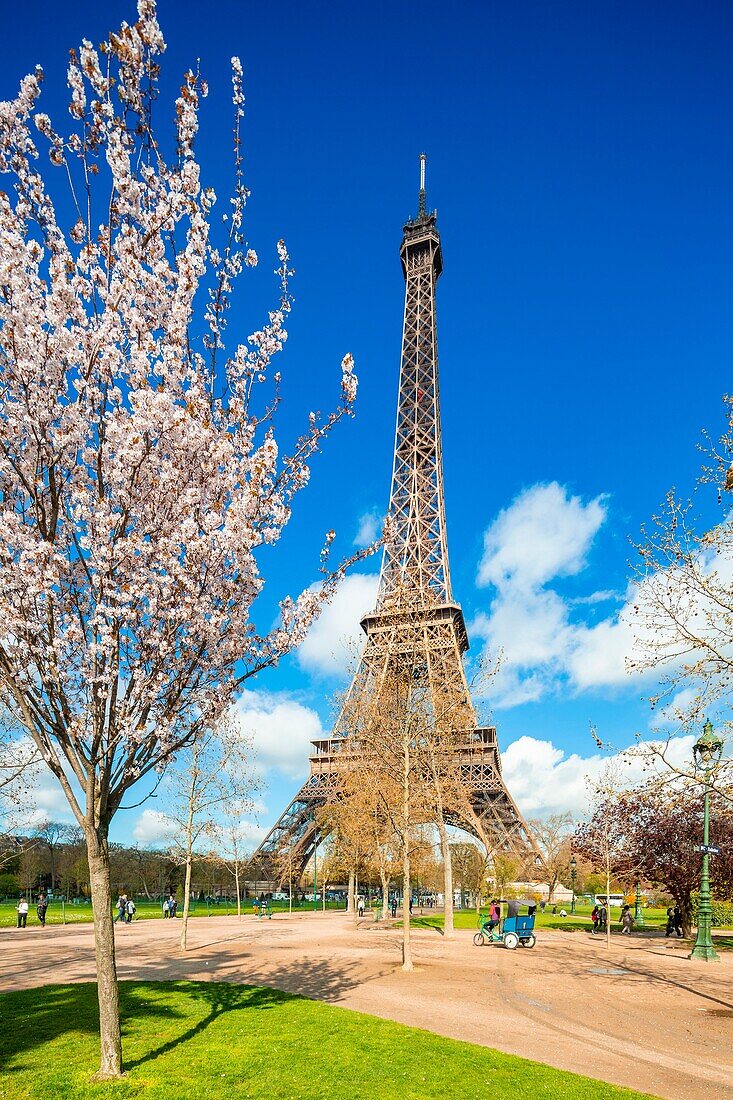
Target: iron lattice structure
{"type": "Point", "coordinates": [415, 617]}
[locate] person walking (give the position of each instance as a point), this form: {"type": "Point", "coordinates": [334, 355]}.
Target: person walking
{"type": "Point", "coordinates": [360, 906]}
{"type": "Point", "coordinates": [670, 921]}
{"type": "Point", "coordinates": [131, 910]}
{"type": "Point", "coordinates": [22, 910]}
{"type": "Point", "coordinates": [172, 907]}
{"type": "Point", "coordinates": [394, 906]}
{"type": "Point", "coordinates": [121, 909]}
{"type": "Point", "coordinates": [41, 908]}
{"type": "Point", "coordinates": [677, 919]}
{"type": "Point", "coordinates": [600, 918]}
{"type": "Point", "coordinates": [165, 909]}
{"type": "Point", "coordinates": [627, 921]}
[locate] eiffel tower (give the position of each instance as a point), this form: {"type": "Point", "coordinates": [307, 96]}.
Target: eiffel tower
{"type": "Point", "coordinates": [415, 599]}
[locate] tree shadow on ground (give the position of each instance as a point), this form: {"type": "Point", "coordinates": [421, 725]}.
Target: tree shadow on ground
{"type": "Point", "coordinates": [32, 1018]}
{"type": "Point", "coordinates": [429, 923]}
{"type": "Point", "coordinates": [317, 979]}
{"type": "Point", "coordinates": [219, 997]}
{"type": "Point", "coordinates": [653, 978]}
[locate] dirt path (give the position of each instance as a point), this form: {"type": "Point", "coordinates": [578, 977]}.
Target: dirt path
{"type": "Point", "coordinates": [642, 1016]}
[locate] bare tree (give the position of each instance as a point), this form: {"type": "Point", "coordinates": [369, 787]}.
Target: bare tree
{"type": "Point", "coordinates": [683, 618]}
{"type": "Point", "coordinates": [387, 732]}
{"type": "Point", "coordinates": [602, 840]}
{"type": "Point", "coordinates": [552, 835]}
{"type": "Point", "coordinates": [51, 836]}
{"type": "Point", "coordinates": [19, 766]}
{"type": "Point", "coordinates": [505, 868]}
{"type": "Point", "coordinates": [469, 867]}
{"type": "Point", "coordinates": [231, 844]}
{"type": "Point", "coordinates": [210, 777]}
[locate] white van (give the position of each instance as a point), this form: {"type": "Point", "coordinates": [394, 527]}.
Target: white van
{"type": "Point", "coordinates": [613, 899]}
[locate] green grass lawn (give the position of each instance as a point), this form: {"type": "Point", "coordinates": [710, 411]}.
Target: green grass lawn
{"type": "Point", "coordinates": [207, 1039]}
{"type": "Point", "coordinates": [655, 919]}
{"type": "Point", "coordinates": [146, 910]}
{"type": "Point", "coordinates": [581, 921]}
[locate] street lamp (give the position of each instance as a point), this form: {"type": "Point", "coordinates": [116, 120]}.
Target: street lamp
{"type": "Point", "coordinates": [707, 751]}
{"type": "Point", "coordinates": [639, 921]}
{"type": "Point", "coordinates": [573, 865]}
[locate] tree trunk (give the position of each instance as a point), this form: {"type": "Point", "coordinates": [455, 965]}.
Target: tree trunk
{"type": "Point", "coordinates": [448, 931]}
{"type": "Point", "coordinates": [608, 905]}
{"type": "Point", "coordinates": [350, 907]}
{"type": "Point", "coordinates": [406, 947]}
{"type": "Point", "coordinates": [385, 892]}
{"type": "Point", "coordinates": [186, 901]}
{"type": "Point", "coordinates": [104, 949]}
{"type": "Point", "coordinates": [406, 952]}
{"type": "Point", "coordinates": [239, 894]}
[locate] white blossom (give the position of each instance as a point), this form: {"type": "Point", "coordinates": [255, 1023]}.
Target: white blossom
{"type": "Point", "coordinates": [139, 488]}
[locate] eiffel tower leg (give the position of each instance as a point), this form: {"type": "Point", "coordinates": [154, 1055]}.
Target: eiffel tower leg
{"type": "Point", "coordinates": [294, 835]}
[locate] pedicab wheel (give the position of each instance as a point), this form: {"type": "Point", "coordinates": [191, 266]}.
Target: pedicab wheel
{"type": "Point", "coordinates": [478, 939]}
{"type": "Point", "coordinates": [511, 940]}
{"type": "Point", "coordinates": [530, 941]}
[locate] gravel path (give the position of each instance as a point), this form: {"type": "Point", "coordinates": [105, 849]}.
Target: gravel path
{"type": "Point", "coordinates": [642, 1016]}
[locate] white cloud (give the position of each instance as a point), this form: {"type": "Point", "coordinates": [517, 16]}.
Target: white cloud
{"type": "Point", "coordinates": [370, 525]}
{"type": "Point", "coordinates": [154, 829]}
{"type": "Point", "coordinates": [543, 780]}
{"type": "Point", "coordinates": [333, 642]}
{"type": "Point", "coordinates": [282, 730]}
{"type": "Point", "coordinates": [544, 533]}
{"type": "Point", "coordinates": [250, 833]}
{"type": "Point", "coordinates": [33, 794]}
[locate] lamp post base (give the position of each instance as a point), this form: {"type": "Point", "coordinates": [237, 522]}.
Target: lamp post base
{"type": "Point", "coordinates": [704, 951]}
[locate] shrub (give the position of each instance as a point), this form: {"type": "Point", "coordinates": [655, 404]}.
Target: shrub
{"type": "Point", "coordinates": [9, 884]}
{"type": "Point", "coordinates": [722, 912]}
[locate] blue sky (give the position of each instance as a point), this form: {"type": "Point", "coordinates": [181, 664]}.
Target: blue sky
{"type": "Point", "coordinates": [580, 161]}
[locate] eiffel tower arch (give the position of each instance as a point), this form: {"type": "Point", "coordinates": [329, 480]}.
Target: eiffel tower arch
{"type": "Point", "coordinates": [415, 609]}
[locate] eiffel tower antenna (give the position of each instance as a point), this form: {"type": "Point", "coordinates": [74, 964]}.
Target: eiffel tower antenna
{"type": "Point", "coordinates": [421, 206]}
{"type": "Point", "coordinates": [415, 610]}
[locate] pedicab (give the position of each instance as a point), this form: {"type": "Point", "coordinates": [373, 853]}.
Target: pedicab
{"type": "Point", "coordinates": [515, 929]}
